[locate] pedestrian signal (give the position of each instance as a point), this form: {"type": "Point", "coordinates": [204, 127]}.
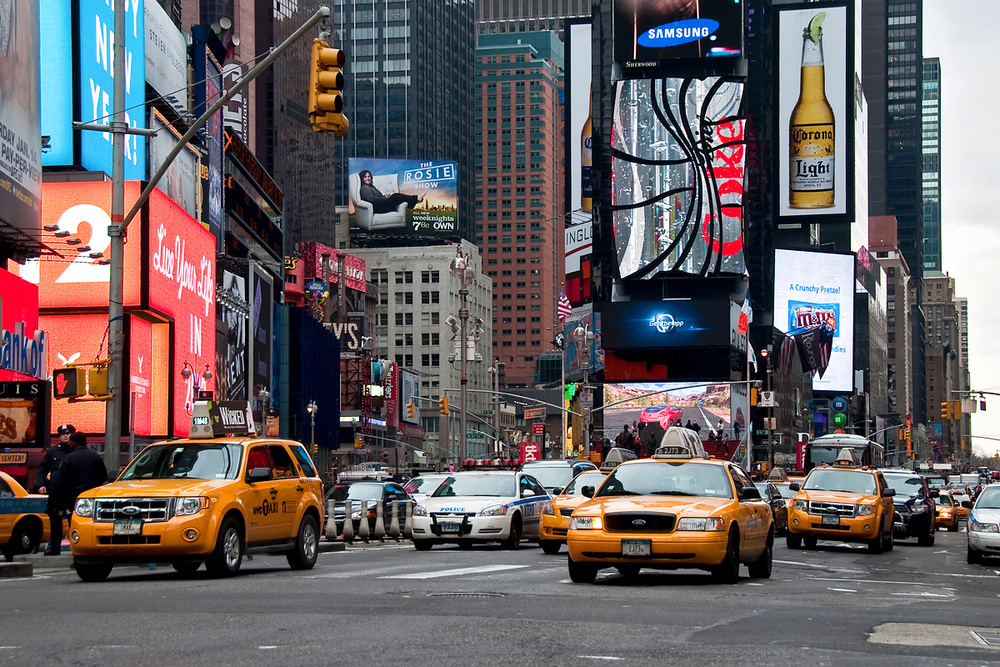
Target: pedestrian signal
{"type": "Point", "coordinates": [69, 382]}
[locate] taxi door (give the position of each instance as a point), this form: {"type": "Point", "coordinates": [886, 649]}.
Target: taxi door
{"type": "Point", "coordinates": [754, 516]}
{"type": "Point", "coordinates": [290, 490]}
{"type": "Point", "coordinates": [261, 498]}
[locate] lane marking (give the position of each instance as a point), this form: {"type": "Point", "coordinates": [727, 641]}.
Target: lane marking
{"type": "Point", "coordinates": [455, 572]}
{"type": "Point", "coordinates": [599, 657]}
{"type": "Point", "coordinates": [841, 590]}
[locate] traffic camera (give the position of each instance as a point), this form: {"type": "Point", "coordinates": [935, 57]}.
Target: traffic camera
{"type": "Point", "coordinates": [326, 83]}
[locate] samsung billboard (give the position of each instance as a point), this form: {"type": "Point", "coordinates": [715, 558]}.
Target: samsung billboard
{"type": "Point", "coordinates": [410, 197]}
{"type": "Point", "coordinates": [647, 33]}
{"type": "Point", "coordinates": [816, 289]}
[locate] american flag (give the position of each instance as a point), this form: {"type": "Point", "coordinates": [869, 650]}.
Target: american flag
{"type": "Point", "coordinates": [564, 309]}
{"type": "Point", "coordinates": [786, 352]}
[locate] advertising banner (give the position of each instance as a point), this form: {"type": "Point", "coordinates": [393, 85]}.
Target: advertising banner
{"type": "Point", "coordinates": [409, 392]}
{"type": "Point", "coordinates": [667, 323]}
{"type": "Point", "coordinates": [20, 110]}
{"type": "Point", "coordinates": [813, 290]}
{"type": "Point", "coordinates": [207, 92]}
{"type": "Point", "coordinates": [235, 312]}
{"type": "Point", "coordinates": [260, 322]}
{"type": "Point", "coordinates": [56, 21]}
{"type": "Point", "coordinates": [579, 152]}
{"type": "Point", "coordinates": [418, 197]}
{"type": "Point", "coordinates": [24, 413]}
{"type": "Point", "coordinates": [182, 181]}
{"type": "Point", "coordinates": [815, 123]}
{"type": "Point", "coordinates": [647, 409]}
{"type": "Point", "coordinates": [166, 57]}
{"type": "Point", "coordinates": [648, 33]}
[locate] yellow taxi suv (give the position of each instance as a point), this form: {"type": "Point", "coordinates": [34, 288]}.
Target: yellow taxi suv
{"type": "Point", "coordinates": [844, 502]}
{"type": "Point", "coordinates": [23, 521]}
{"type": "Point", "coordinates": [211, 498]}
{"type": "Point", "coordinates": [947, 512]}
{"type": "Point", "coordinates": [678, 509]}
{"type": "Point", "coordinates": [557, 512]}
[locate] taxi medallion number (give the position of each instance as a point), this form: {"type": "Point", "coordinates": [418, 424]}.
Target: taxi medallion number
{"type": "Point", "coordinates": [830, 520]}
{"type": "Point", "coordinates": [127, 527]}
{"type": "Point", "coordinates": [637, 548]}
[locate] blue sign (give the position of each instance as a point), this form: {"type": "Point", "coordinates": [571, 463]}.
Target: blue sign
{"type": "Point", "coordinates": [22, 505]}
{"type": "Point", "coordinates": [678, 32]}
{"type": "Point", "coordinates": [665, 324]}
{"type": "Point", "coordinates": [56, 64]}
{"type": "Point", "coordinates": [839, 404]}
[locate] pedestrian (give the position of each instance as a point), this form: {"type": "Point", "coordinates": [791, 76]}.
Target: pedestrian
{"type": "Point", "coordinates": [52, 458]}
{"type": "Point", "coordinates": [736, 430]}
{"type": "Point", "coordinates": [81, 469]}
{"type": "Point", "coordinates": [624, 438]}
{"type": "Point", "coordinates": [696, 428]}
{"type": "Point", "coordinates": [688, 424]}
{"type": "Point", "coordinates": [720, 428]}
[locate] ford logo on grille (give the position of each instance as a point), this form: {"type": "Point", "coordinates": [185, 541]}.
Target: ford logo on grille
{"type": "Point", "coordinates": [638, 522]}
{"type": "Point", "coordinates": [131, 509]}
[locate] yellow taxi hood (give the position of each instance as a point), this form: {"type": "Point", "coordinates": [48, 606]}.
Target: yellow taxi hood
{"type": "Point", "coordinates": [672, 504]}
{"type": "Point", "coordinates": [156, 488]}
{"type": "Point", "coordinates": [569, 501]}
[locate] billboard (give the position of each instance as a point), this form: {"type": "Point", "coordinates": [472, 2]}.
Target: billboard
{"type": "Point", "coordinates": [56, 21]}
{"type": "Point", "coordinates": [647, 33]}
{"type": "Point", "coordinates": [182, 181]}
{"type": "Point", "coordinates": [814, 289]}
{"type": "Point", "coordinates": [20, 128]}
{"type": "Point", "coordinates": [261, 309]}
{"type": "Point", "coordinates": [578, 242]}
{"type": "Point", "coordinates": [234, 315]}
{"type": "Point", "coordinates": [409, 392]}
{"type": "Point", "coordinates": [667, 323]}
{"type": "Point", "coordinates": [24, 413]}
{"type": "Point", "coordinates": [166, 57]}
{"type": "Point", "coordinates": [417, 197]}
{"type": "Point", "coordinates": [815, 113]}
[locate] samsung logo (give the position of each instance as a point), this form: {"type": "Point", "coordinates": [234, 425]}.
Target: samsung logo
{"type": "Point", "coordinates": [680, 32]}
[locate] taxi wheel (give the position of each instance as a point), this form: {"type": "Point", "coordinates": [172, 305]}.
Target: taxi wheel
{"type": "Point", "coordinates": [550, 547]}
{"type": "Point", "coordinates": [953, 528]}
{"type": "Point", "coordinates": [422, 545]}
{"type": "Point", "coordinates": [810, 542]}
{"type": "Point", "coordinates": [225, 561]}
{"type": "Point", "coordinates": [890, 540]}
{"type": "Point", "coordinates": [93, 571]}
{"type": "Point", "coordinates": [877, 544]}
{"type": "Point", "coordinates": [581, 573]}
{"type": "Point", "coordinates": [514, 539]}
{"type": "Point", "coordinates": [728, 572]}
{"type": "Point", "coordinates": [761, 568]}
{"type": "Point", "coordinates": [185, 567]}
{"type": "Point", "coordinates": [793, 541]}
{"type": "Point", "coordinates": [23, 540]}
{"type": "Point", "coordinates": [306, 546]}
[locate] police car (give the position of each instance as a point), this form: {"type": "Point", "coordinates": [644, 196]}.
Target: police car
{"type": "Point", "coordinates": [470, 507]}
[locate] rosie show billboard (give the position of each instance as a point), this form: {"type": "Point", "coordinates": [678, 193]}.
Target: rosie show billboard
{"type": "Point", "coordinates": [413, 197]}
{"type": "Point", "coordinates": [813, 288]}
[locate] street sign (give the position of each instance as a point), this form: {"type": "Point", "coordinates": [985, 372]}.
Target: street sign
{"type": "Point", "coordinates": [586, 401]}
{"type": "Point", "coordinates": [538, 428]}
{"type": "Point", "coordinates": [530, 451]}
{"type": "Point", "coordinates": [488, 413]}
{"type": "Point", "coordinates": [767, 400]}
{"type": "Point", "coordinates": [534, 413]}
{"type": "Point", "coordinates": [475, 435]}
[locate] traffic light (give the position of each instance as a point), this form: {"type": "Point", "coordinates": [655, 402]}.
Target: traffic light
{"type": "Point", "coordinates": [314, 448]}
{"type": "Point", "coordinates": [410, 411]}
{"type": "Point", "coordinates": [945, 411]}
{"type": "Point", "coordinates": [69, 382]}
{"type": "Point", "coordinates": [956, 409]}
{"type": "Point", "coordinates": [97, 381]}
{"type": "Point", "coordinates": [326, 81]}
{"type": "Point", "coordinates": [443, 405]}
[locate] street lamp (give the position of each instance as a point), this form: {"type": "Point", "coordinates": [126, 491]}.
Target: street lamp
{"type": "Point", "coordinates": [264, 401]}
{"type": "Point", "coordinates": [466, 274]}
{"type": "Point", "coordinates": [312, 409]}
{"type": "Point", "coordinates": [494, 370]}
{"type": "Point", "coordinates": [584, 338]}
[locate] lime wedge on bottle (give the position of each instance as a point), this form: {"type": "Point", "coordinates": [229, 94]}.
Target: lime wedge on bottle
{"type": "Point", "coordinates": [815, 27]}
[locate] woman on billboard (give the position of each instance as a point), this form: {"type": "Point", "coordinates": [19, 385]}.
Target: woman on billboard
{"type": "Point", "coordinates": [380, 203]}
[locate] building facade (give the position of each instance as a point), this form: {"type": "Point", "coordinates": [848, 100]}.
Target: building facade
{"type": "Point", "coordinates": [931, 162]}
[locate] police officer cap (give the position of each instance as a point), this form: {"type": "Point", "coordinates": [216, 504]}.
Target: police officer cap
{"type": "Point", "coordinates": [66, 428]}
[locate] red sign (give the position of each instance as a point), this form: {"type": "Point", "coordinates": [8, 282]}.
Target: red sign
{"type": "Point", "coordinates": [538, 428]}
{"type": "Point", "coordinates": [530, 451]}
{"type": "Point", "coordinates": [354, 268]}
{"type": "Point", "coordinates": [22, 345]}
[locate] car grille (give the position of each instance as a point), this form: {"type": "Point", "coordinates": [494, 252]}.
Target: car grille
{"type": "Point", "coordinates": [636, 522]}
{"type": "Point", "coordinates": [147, 509]}
{"type": "Point", "coordinates": [840, 509]}
{"type": "Point", "coordinates": [128, 539]}
{"type": "Point", "coordinates": [452, 515]}
{"type": "Point", "coordinates": [566, 511]}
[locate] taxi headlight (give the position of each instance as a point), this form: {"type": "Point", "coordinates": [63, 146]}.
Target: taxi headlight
{"type": "Point", "coordinates": [802, 505]}
{"type": "Point", "coordinates": [586, 523]}
{"type": "Point", "coordinates": [190, 505]}
{"type": "Point", "coordinates": [84, 507]}
{"type": "Point", "coordinates": [496, 510]}
{"type": "Point", "coordinates": [419, 510]}
{"type": "Point", "coordinates": [976, 527]}
{"type": "Point", "coordinates": [866, 510]}
{"type": "Point", "coordinates": [702, 524]}
{"type": "Point", "coordinates": [549, 508]}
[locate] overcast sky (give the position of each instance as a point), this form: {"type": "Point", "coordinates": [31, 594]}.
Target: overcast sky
{"type": "Point", "coordinates": [961, 35]}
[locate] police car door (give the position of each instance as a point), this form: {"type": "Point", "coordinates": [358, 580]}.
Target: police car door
{"type": "Point", "coordinates": [755, 515]}
{"type": "Point", "coordinates": [531, 511]}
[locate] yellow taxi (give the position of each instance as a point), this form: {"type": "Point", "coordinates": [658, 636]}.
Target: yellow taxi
{"type": "Point", "coordinates": [963, 501]}
{"type": "Point", "coordinates": [678, 509]}
{"type": "Point", "coordinates": [947, 512]}
{"type": "Point", "coordinates": [21, 531]}
{"type": "Point", "coordinates": [844, 502]}
{"type": "Point", "coordinates": [211, 498]}
{"type": "Point", "coordinates": [557, 512]}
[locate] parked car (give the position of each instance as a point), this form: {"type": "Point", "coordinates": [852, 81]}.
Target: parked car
{"type": "Point", "coordinates": [984, 525]}
{"type": "Point", "coordinates": [422, 486]}
{"type": "Point", "coordinates": [363, 471]}
{"type": "Point", "coordinates": [779, 507]}
{"type": "Point", "coordinates": [21, 533]}
{"type": "Point", "coordinates": [364, 497]}
{"type": "Point", "coordinates": [555, 474]}
{"type": "Point", "coordinates": [915, 507]}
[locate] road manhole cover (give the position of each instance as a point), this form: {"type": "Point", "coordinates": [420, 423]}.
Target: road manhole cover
{"type": "Point", "coordinates": [465, 595]}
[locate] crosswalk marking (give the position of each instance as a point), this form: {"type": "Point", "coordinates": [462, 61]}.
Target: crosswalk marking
{"type": "Point", "coordinates": [436, 574]}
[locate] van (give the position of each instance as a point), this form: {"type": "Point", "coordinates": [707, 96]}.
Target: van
{"type": "Point", "coordinates": [615, 457]}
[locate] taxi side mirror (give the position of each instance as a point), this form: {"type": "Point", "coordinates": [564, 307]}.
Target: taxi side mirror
{"type": "Point", "coordinates": [888, 493]}
{"type": "Point", "coordinates": [556, 491]}
{"type": "Point", "coordinates": [794, 486]}
{"type": "Point", "coordinates": [258, 475]}
{"type": "Point", "coordinates": [749, 493]}
{"type": "Point", "coordinates": [587, 491]}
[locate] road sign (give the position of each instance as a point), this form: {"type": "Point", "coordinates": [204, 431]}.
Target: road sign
{"type": "Point", "coordinates": [538, 428]}
{"type": "Point", "coordinates": [534, 413]}
{"type": "Point", "coordinates": [767, 400]}
{"type": "Point", "coordinates": [530, 451]}
{"type": "Point", "coordinates": [586, 401]}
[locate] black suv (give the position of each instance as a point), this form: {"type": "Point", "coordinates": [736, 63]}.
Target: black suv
{"type": "Point", "coordinates": [915, 506]}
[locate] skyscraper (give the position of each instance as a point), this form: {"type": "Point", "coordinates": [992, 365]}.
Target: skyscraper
{"type": "Point", "coordinates": [931, 149]}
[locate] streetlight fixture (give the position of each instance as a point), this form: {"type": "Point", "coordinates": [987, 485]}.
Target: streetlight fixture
{"type": "Point", "coordinates": [264, 400]}
{"type": "Point", "coordinates": [466, 274]}
{"type": "Point", "coordinates": [312, 409]}
{"type": "Point", "coordinates": [494, 370]}
{"type": "Point", "coordinates": [584, 338]}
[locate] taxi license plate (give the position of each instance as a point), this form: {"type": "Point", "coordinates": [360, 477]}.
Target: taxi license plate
{"type": "Point", "coordinates": [450, 527]}
{"type": "Point", "coordinates": [637, 548]}
{"type": "Point", "coordinates": [830, 520]}
{"type": "Point", "coordinates": [127, 527]}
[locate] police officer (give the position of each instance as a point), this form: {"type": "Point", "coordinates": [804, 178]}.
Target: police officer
{"type": "Point", "coordinates": [52, 458]}
{"type": "Point", "coordinates": [82, 469]}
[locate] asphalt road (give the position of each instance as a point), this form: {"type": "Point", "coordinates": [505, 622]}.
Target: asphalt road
{"type": "Point", "coordinates": [390, 605]}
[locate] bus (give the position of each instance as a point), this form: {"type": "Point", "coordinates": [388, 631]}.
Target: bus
{"type": "Point", "coordinates": [825, 448]}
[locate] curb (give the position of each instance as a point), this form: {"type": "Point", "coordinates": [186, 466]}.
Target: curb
{"type": "Point", "coordinates": [15, 570]}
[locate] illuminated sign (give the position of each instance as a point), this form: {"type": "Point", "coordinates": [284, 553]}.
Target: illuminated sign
{"type": "Point", "coordinates": [673, 323]}
{"type": "Point", "coordinates": [665, 323]}
{"type": "Point", "coordinates": [411, 197]}
{"type": "Point", "coordinates": [647, 33]}
{"type": "Point", "coordinates": [24, 413]}
{"type": "Point", "coordinates": [23, 354]}
{"type": "Point", "coordinates": [56, 20]}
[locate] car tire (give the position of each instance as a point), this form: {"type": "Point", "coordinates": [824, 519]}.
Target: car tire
{"type": "Point", "coordinates": [973, 556]}
{"type": "Point", "coordinates": [306, 545]}
{"type": "Point", "coordinates": [551, 547]}
{"type": "Point", "coordinates": [876, 545]}
{"type": "Point", "coordinates": [953, 528]}
{"type": "Point", "coordinates": [793, 541]}
{"type": "Point", "coordinates": [890, 540]}
{"type": "Point", "coordinates": [227, 557]}
{"type": "Point", "coordinates": [927, 539]}
{"type": "Point", "coordinates": [581, 573]}
{"type": "Point", "coordinates": [728, 571]}
{"type": "Point", "coordinates": [809, 542]}
{"type": "Point", "coordinates": [185, 567]}
{"type": "Point", "coordinates": [93, 571]}
{"type": "Point", "coordinates": [761, 568]}
{"type": "Point", "coordinates": [23, 540]}
{"type": "Point", "coordinates": [423, 545]}
{"type": "Point", "coordinates": [514, 539]}
{"type": "Point", "coordinates": [628, 570]}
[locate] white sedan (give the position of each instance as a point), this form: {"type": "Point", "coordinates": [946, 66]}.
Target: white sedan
{"type": "Point", "coordinates": [474, 506]}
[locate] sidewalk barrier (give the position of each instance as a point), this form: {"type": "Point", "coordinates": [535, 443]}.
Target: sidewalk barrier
{"type": "Point", "coordinates": [394, 521]}
{"type": "Point", "coordinates": [363, 529]}
{"type": "Point", "coordinates": [379, 520]}
{"type": "Point", "coordinates": [408, 523]}
{"type": "Point", "coordinates": [348, 524]}
{"type": "Point", "coordinates": [331, 522]}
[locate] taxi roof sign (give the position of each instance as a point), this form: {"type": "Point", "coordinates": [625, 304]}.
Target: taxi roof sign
{"type": "Point", "coordinates": [216, 419]}
{"type": "Point", "coordinates": [680, 443]}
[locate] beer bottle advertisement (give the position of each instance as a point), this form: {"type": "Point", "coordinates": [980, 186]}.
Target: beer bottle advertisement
{"type": "Point", "coordinates": [813, 113]}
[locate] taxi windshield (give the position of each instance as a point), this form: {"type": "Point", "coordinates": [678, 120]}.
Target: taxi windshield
{"type": "Point", "coordinates": [847, 481]}
{"type": "Point", "coordinates": [188, 460]}
{"type": "Point", "coordinates": [668, 479]}
{"type": "Point", "coordinates": [476, 484]}
{"type": "Point", "coordinates": [943, 500]}
{"type": "Point", "coordinates": [593, 479]}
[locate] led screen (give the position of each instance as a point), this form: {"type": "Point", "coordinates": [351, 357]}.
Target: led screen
{"type": "Point", "coordinates": [649, 32]}
{"type": "Point", "coordinates": [404, 196]}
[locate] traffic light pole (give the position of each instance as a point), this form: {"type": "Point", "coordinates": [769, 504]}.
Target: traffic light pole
{"type": "Point", "coordinates": [119, 224]}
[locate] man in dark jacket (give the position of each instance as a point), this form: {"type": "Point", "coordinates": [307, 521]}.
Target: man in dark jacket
{"type": "Point", "coordinates": [82, 469]}
{"type": "Point", "coordinates": [52, 458]}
